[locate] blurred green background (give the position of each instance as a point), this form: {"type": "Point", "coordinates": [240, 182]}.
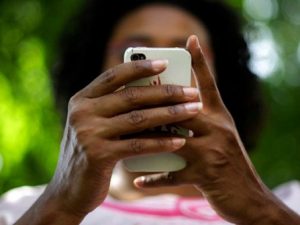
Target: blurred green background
{"type": "Point", "coordinates": [30, 128]}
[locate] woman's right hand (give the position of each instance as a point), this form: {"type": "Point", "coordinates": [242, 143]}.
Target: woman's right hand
{"type": "Point", "coordinates": [97, 116]}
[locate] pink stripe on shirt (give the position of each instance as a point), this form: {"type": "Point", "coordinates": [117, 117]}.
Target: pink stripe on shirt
{"type": "Point", "coordinates": [193, 208]}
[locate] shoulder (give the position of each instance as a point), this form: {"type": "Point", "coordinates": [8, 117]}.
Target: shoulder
{"type": "Point", "coordinates": [289, 193]}
{"type": "Point", "coordinates": [16, 201]}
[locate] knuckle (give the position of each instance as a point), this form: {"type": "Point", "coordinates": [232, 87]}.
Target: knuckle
{"type": "Point", "coordinates": [136, 117]}
{"type": "Point", "coordinates": [81, 135]}
{"type": "Point", "coordinates": [85, 139]}
{"type": "Point", "coordinates": [162, 142]}
{"type": "Point", "coordinates": [108, 76]}
{"type": "Point", "coordinates": [102, 130]}
{"type": "Point", "coordinates": [217, 157]}
{"type": "Point", "coordinates": [227, 133]}
{"type": "Point", "coordinates": [73, 101]}
{"type": "Point", "coordinates": [172, 91]}
{"type": "Point", "coordinates": [136, 145]}
{"type": "Point", "coordinates": [138, 66]}
{"type": "Point", "coordinates": [78, 112]}
{"type": "Point", "coordinates": [130, 94]}
{"type": "Point", "coordinates": [215, 161]}
{"type": "Point", "coordinates": [175, 109]}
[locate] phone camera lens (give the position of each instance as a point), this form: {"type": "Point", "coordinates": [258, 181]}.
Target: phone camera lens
{"type": "Point", "coordinates": [142, 57]}
{"type": "Point", "coordinates": [137, 56]}
{"type": "Point", "coordinates": [134, 57]}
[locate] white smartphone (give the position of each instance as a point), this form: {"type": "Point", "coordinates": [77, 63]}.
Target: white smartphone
{"type": "Point", "coordinates": [178, 72]}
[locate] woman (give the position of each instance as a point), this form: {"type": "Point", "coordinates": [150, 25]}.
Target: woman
{"type": "Point", "coordinates": [99, 112]}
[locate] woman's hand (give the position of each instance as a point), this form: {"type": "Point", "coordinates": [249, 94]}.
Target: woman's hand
{"type": "Point", "coordinates": [217, 163]}
{"type": "Point", "coordinates": [97, 116]}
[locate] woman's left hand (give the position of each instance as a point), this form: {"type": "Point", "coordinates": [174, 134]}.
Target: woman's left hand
{"type": "Point", "coordinates": [217, 162]}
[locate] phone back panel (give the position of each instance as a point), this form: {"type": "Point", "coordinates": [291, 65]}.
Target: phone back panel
{"type": "Point", "coordinates": [178, 71]}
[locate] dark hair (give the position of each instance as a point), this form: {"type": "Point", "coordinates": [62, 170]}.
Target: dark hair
{"type": "Point", "coordinates": [84, 44]}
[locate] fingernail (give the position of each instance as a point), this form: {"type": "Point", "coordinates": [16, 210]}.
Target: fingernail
{"type": "Point", "coordinates": [178, 142]}
{"type": "Point", "coordinates": [190, 92]}
{"type": "Point", "coordinates": [193, 106]}
{"type": "Point", "coordinates": [197, 41]}
{"type": "Point", "coordinates": [159, 65]}
{"type": "Point", "coordinates": [139, 181]}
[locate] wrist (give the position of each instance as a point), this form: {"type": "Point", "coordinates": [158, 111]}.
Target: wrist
{"type": "Point", "coordinates": [49, 211]}
{"type": "Point", "coordinates": [275, 212]}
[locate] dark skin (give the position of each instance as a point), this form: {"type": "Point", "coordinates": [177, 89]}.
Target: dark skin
{"type": "Point", "coordinates": [218, 165]}
{"type": "Point", "coordinates": [93, 158]}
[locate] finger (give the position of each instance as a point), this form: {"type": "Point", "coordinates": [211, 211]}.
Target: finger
{"type": "Point", "coordinates": [140, 120]}
{"type": "Point", "coordinates": [199, 125]}
{"type": "Point", "coordinates": [114, 78]}
{"type": "Point", "coordinates": [132, 98]}
{"type": "Point", "coordinates": [131, 147]}
{"type": "Point", "coordinates": [209, 92]}
{"type": "Point", "coordinates": [167, 179]}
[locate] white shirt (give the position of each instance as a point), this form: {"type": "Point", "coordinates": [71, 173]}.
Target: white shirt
{"type": "Point", "coordinates": [166, 209]}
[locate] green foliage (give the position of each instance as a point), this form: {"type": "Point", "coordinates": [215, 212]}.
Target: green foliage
{"type": "Point", "coordinates": [277, 156]}
{"type": "Point", "coordinates": [30, 129]}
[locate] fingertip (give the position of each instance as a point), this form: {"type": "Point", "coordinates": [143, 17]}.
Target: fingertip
{"type": "Point", "coordinates": [138, 182]}
{"type": "Point", "coordinates": [188, 42]}
{"type": "Point", "coordinates": [192, 38]}
{"type": "Point", "coordinates": [178, 142]}
{"type": "Point", "coordinates": [193, 43]}
{"type": "Point", "coordinates": [159, 65]}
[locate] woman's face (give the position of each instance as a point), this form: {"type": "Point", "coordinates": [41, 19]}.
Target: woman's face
{"type": "Point", "coordinates": [155, 26]}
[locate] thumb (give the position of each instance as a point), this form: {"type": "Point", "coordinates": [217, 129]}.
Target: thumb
{"type": "Point", "coordinates": [158, 180]}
